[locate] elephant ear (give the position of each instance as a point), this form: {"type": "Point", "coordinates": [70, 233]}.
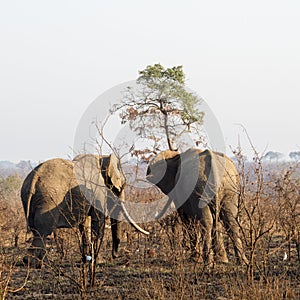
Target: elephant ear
{"type": "Point", "coordinates": [213, 166]}
{"type": "Point", "coordinates": [115, 173]}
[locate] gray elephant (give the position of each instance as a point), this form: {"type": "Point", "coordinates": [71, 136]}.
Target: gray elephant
{"type": "Point", "coordinates": [61, 194]}
{"type": "Point", "coordinates": [203, 186]}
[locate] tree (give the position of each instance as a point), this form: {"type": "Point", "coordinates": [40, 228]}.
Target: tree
{"type": "Point", "coordinates": [11, 212]}
{"type": "Point", "coordinates": [10, 186]}
{"type": "Point", "coordinates": [295, 155]}
{"type": "Point", "coordinates": [160, 108]}
{"type": "Point", "coordinates": [272, 155]}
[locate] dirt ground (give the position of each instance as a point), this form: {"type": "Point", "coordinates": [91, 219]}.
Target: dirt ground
{"type": "Point", "coordinates": [155, 267]}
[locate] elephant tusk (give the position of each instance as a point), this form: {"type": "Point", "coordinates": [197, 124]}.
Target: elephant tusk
{"type": "Point", "coordinates": [130, 220]}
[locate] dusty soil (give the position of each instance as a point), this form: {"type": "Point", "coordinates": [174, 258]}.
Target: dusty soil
{"type": "Point", "coordinates": [148, 268]}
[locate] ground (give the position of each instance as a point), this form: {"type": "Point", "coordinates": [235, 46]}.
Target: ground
{"type": "Point", "coordinates": [155, 267]}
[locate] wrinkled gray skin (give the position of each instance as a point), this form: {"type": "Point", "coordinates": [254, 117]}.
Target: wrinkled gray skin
{"type": "Point", "coordinates": [58, 194]}
{"type": "Point", "coordinates": [204, 187]}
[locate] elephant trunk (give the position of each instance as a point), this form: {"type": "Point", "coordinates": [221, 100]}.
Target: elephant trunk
{"type": "Point", "coordinates": [116, 233]}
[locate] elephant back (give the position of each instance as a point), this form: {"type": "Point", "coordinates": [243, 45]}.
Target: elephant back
{"type": "Point", "coordinates": [46, 186]}
{"type": "Point", "coordinates": [55, 179]}
{"type": "Point", "coordinates": [205, 173]}
{"type": "Point", "coordinates": [220, 172]}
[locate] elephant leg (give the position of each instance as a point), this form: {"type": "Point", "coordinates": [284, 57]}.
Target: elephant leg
{"type": "Point", "coordinates": [115, 211]}
{"type": "Point", "coordinates": [218, 242]}
{"type": "Point", "coordinates": [59, 244]}
{"type": "Point", "coordinates": [229, 211]}
{"type": "Point", "coordinates": [84, 229]}
{"type": "Point", "coordinates": [207, 225]}
{"type": "Point", "coordinates": [189, 232]}
{"type": "Point", "coordinates": [217, 236]}
{"type": "Point", "coordinates": [98, 226]}
{"type": "Point", "coordinates": [172, 221]}
{"type": "Point", "coordinates": [36, 252]}
{"type": "Point", "coordinates": [43, 226]}
{"type": "Point", "coordinates": [116, 234]}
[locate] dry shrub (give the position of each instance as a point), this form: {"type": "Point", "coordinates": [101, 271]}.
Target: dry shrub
{"type": "Point", "coordinates": [160, 267]}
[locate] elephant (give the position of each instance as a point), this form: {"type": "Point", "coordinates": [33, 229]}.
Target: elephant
{"type": "Point", "coordinates": [204, 187]}
{"type": "Point", "coordinates": [61, 193]}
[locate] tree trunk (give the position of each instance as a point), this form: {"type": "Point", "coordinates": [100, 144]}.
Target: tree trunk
{"type": "Point", "coordinates": [170, 144]}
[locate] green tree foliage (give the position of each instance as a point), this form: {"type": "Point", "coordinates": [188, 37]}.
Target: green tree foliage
{"type": "Point", "coordinates": [160, 101]}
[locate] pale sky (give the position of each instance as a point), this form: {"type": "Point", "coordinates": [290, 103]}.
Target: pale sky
{"type": "Point", "coordinates": [56, 57]}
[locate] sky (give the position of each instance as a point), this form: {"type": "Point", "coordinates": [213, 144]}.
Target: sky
{"type": "Point", "coordinates": [57, 57]}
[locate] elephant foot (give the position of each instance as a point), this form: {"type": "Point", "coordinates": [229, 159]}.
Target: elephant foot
{"type": "Point", "coordinates": [35, 258]}
{"type": "Point", "coordinates": [32, 262]}
{"type": "Point", "coordinates": [115, 252]}
{"type": "Point", "coordinates": [115, 248]}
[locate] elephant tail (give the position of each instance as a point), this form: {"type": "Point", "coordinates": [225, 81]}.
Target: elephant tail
{"type": "Point", "coordinates": [27, 201]}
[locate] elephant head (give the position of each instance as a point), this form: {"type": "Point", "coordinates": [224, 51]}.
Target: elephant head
{"type": "Point", "coordinates": [107, 185]}
{"type": "Point", "coordinates": [162, 170]}
{"type": "Point", "coordinates": [99, 173]}
{"type": "Point", "coordinates": [180, 175]}
{"type": "Point", "coordinates": [112, 172]}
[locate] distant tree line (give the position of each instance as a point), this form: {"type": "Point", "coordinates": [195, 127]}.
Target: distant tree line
{"type": "Point", "coordinates": [274, 156]}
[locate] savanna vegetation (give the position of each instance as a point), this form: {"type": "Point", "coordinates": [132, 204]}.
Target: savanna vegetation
{"type": "Point", "coordinates": [160, 265]}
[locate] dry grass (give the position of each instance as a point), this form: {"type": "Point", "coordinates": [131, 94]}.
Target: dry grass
{"type": "Point", "coordinates": [148, 269]}
{"type": "Point", "coordinates": [159, 266]}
